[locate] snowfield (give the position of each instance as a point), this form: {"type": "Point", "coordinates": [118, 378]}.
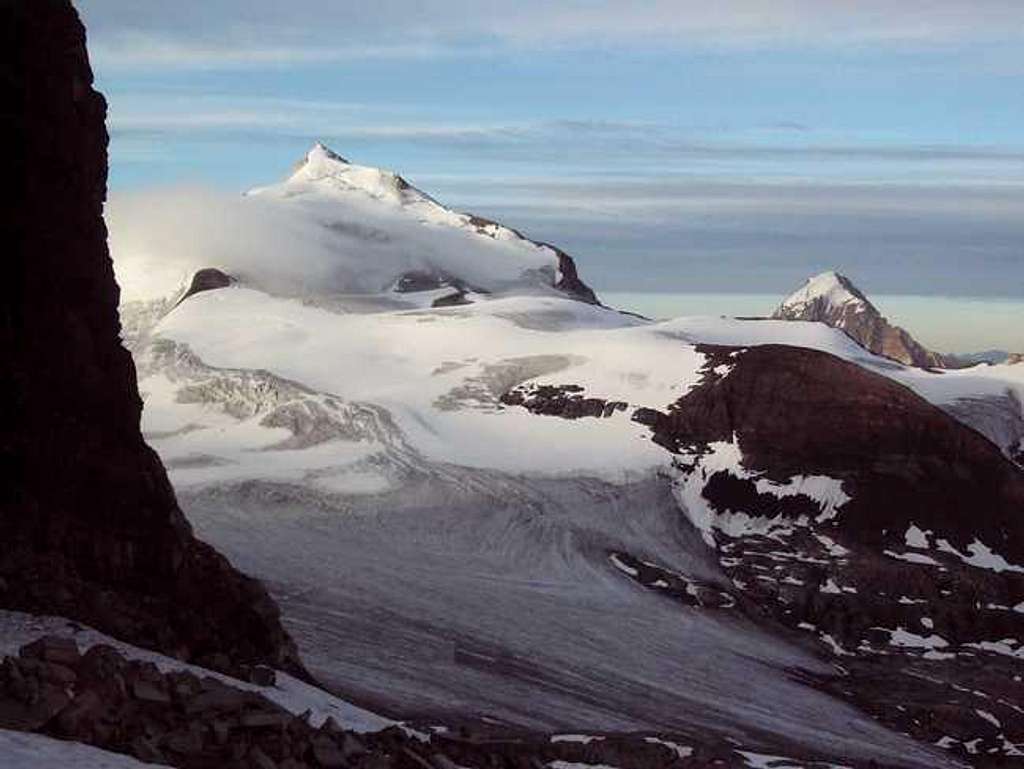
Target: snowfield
{"type": "Point", "coordinates": [436, 554]}
{"type": "Point", "coordinates": [24, 750]}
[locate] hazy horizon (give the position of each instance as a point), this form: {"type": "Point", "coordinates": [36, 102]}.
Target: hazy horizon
{"type": "Point", "coordinates": [948, 324]}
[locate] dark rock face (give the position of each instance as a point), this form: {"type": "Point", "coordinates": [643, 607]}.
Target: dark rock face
{"type": "Point", "coordinates": [566, 401]}
{"type": "Point", "coordinates": [902, 460]}
{"type": "Point", "coordinates": [571, 283]}
{"type": "Point", "coordinates": [455, 299]}
{"type": "Point", "coordinates": [88, 520]}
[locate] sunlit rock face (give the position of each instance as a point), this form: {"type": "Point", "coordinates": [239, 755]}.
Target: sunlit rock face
{"type": "Point", "coordinates": [833, 299]}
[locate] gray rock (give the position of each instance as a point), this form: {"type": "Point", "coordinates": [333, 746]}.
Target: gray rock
{"type": "Point", "coordinates": [149, 692]}
{"type": "Point", "coordinates": [144, 750]}
{"type": "Point", "coordinates": [63, 651]}
{"type": "Point", "coordinates": [257, 759]}
{"type": "Point", "coordinates": [76, 719]}
{"type": "Point", "coordinates": [262, 675]}
{"type": "Point", "coordinates": [351, 746]}
{"type": "Point", "coordinates": [327, 753]}
{"type": "Point", "coordinates": [187, 743]}
{"type": "Point", "coordinates": [263, 720]}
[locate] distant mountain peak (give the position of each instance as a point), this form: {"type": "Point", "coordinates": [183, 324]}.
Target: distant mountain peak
{"type": "Point", "coordinates": [829, 288]}
{"type": "Point", "coordinates": [832, 298]}
{"type": "Point", "coordinates": [378, 205]}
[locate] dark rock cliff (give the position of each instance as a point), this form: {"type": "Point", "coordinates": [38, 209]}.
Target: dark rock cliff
{"type": "Point", "coordinates": [901, 459]}
{"type": "Point", "coordinates": [89, 525]}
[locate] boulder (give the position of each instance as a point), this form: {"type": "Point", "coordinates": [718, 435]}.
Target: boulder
{"type": "Point", "coordinates": [63, 651]}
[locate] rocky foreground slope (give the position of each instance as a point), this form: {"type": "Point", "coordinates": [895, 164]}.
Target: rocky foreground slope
{"type": "Point", "coordinates": [89, 523]}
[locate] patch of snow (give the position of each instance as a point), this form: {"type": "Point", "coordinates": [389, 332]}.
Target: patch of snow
{"type": "Point", "coordinates": [916, 538]}
{"type": "Point", "coordinates": [906, 639]}
{"type": "Point", "coordinates": [834, 645]}
{"type": "Point", "coordinates": [980, 556]}
{"type": "Point", "coordinates": [726, 456]}
{"type": "Point", "coordinates": [583, 739]}
{"type": "Point", "coordinates": [827, 492]}
{"type": "Point", "coordinates": [830, 586]}
{"type": "Point", "coordinates": [834, 548]}
{"type": "Point", "coordinates": [681, 751]}
{"type": "Point", "coordinates": [623, 566]}
{"type": "Point", "coordinates": [984, 714]}
{"type": "Point", "coordinates": [1010, 748]}
{"type": "Point", "coordinates": [1004, 647]}
{"type": "Point", "coordinates": [919, 558]}
{"type": "Point", "coordinates": [25, 750]}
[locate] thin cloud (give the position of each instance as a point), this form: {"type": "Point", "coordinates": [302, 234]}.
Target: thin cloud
{"type": "Point", "coordinates": [347, 123]}
{"type": "Point", "coordinates": [154, 51]}
{"type": "Point", "coordinates": [230, 34]}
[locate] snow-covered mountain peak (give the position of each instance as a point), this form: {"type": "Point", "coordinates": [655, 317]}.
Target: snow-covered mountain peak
{"type": "Point", "coordinates": [332, 227]}
{"type": "Point", "coordinates": [326, 170]}
{"type": "Point", "coordinates": [828, 289]}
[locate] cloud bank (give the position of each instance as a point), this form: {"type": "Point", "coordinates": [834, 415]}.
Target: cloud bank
{"type": "Point", "coordinates": [245, 33]}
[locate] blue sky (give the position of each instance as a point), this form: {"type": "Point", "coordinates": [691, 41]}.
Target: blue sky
{"type": "Point", "coordinates": [671, 146]}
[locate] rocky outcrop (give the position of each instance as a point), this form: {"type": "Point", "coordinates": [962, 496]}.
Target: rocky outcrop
{"type": "Point", "coordinates": [101, 698]}
{"type": "Point", "coordinates": [570, 282]}
{"type": "Point", "coordinates": [89, 523]}
{"type": "Point", "coordinates": [833, 299]}
{"type": "Point", "coordinates": [913, 579]}
{"type": "Point", "coordinates": [567, 401]}
{"type": "Point", "coordinates": [796, 411]}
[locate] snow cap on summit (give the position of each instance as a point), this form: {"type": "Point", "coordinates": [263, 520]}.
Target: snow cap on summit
{"type": "Point", "coordinates": [829, 288]}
